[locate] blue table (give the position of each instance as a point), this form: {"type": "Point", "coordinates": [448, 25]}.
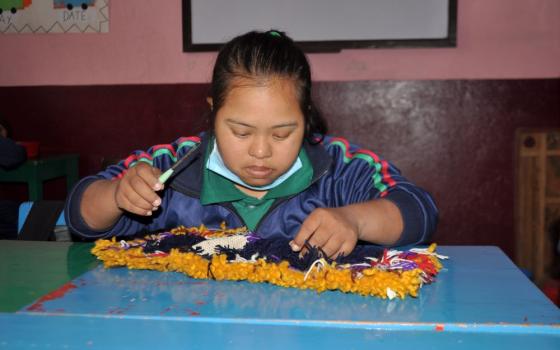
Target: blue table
{"type": "Point", "coordinates": [480, 301]}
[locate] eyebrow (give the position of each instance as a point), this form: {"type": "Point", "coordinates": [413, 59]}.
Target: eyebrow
{"type": "Point", "coordinates": [231, 121]}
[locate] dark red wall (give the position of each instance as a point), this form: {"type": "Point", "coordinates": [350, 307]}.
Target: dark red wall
{"type": "Point", "coordinates": [455, 138]}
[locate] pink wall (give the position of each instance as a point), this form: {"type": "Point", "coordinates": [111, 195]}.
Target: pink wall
{"type": "Point", "coordinates": [496, 39]}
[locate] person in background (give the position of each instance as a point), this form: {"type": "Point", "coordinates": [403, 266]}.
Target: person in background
{"type": "Point", "coordinates": [11, 156]}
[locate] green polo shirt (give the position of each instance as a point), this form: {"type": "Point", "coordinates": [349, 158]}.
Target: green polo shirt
{"type": "Point", "coordinates": [218, 189]}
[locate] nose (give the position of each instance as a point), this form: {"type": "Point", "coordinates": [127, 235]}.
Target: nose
{"type": "Point", "coordinates": [260, 148]}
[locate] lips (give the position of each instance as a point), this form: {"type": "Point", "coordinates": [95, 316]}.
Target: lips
{"type": "Point", "coordinates": [258, 172]}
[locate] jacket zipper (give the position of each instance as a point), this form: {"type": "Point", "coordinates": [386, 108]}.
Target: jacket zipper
{"type": "Point", "coordinates": [277, 203]}
{"type": "Point", "coordinates": [229, 207]}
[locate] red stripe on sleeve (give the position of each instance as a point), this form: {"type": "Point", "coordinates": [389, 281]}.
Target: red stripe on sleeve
{"type": "Point", "coordinates": [164, 146]}
{"type": "Point", "coordinates": [189, 138]}
{"type": "Point", "coordinates": [346, 145]}
{"type": "Point", "coordinates": [386, 176]}
{"type": "Point", "coordinates": [131, 158]}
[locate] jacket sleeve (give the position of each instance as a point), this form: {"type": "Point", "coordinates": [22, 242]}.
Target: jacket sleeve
{"type": "Point", "coordinates": [160, 156]}
{"type": "Point", "coordinates": [362, 175]}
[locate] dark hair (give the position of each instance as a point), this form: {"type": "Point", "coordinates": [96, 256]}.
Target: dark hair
{"type": "Point", "coordinates": [257, 55]}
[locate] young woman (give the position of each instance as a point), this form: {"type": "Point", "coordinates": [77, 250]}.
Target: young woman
{"type": "Point", "coordinates": [266, 164]}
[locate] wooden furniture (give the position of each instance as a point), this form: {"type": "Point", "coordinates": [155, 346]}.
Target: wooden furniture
{"type": "Point", "coordinates": [537, 199]}
{"type": "Point", "coordinates": [35, 171]}
{"type": "Point", "coordinates": [480, 301]}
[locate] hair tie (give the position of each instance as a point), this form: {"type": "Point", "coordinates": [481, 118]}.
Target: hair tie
{"type": "Point", "coordinates": [275, 33]}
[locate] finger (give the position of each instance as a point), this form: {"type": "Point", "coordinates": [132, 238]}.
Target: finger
{"type": "Point", "coordinates": [156, 172]}
{"type": "Point", "coordinates": [331, 247]}
{"type": "Point", "coordinates": [145, 190]}
{"type": "Point", "coordinates": [124, 203]}
{"type": "Point", "coordinates": [303, 252]}
{"type": "Point", "coordinates": [158, 185]}
{"type": "Point", "coordinates": [146, 182]}
{"type": "Point", "coordinates": [305, 232]}
{"type": "Point", "coordinates": [317, 240]}
{"type": "Point", "coordinates": [139, 201]}
{"type": "Point", "coordinates": [150, 175]}
{"type": "Point", "coordinates": [126, 189]}
{"type": "Point", "coordinates": [320, 237]}
{"type": "Point", "coordinates": [346, 248]}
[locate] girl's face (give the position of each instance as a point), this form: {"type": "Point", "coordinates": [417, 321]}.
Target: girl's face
{"type": "Point", "coordinates": [259, 129]}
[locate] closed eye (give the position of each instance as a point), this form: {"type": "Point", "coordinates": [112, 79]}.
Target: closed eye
{"type": "Point", "coordinates": [281, 137]}
{"type": "Point", "coordinates": [240, 133]}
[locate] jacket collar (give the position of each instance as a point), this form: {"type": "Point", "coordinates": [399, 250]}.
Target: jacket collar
{"type": "Point", "coordinates": [188, 176]}
{"type": "Point", "coordinates": [320, 159]}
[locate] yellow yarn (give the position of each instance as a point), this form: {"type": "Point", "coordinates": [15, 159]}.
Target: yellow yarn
{"type": "Point", "coordinates": [320, 277]}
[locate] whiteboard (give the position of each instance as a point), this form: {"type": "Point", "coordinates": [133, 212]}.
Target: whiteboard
{"type": "Point", "coordinates": [322, 25]}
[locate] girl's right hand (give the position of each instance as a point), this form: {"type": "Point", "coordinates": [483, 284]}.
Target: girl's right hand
{"type": "Point", "coordinates": [136, 190]}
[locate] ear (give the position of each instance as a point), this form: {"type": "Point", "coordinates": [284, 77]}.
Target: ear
{"type": "Point", "coordinates": [210, 102]}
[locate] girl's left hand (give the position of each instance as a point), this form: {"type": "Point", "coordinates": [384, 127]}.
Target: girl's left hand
{"type": "Point", "coordinates": [331, 229]}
